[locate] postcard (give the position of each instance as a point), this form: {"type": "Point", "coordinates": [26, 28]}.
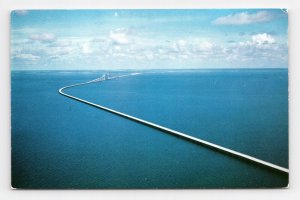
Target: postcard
{"type": "Point", "coordinates": [149, 99]}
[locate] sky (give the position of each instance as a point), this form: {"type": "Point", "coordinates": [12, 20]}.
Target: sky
{"type": "Point", "coordinates": [148, 39]}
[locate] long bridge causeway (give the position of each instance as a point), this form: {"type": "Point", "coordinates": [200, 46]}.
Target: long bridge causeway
{"type": "Point", "coordinates": [168, 130]}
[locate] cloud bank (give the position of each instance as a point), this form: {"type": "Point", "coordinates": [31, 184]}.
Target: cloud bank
{"type": "Point", "coordinates": [43, 37]}
{"type": "Point", "coordinates": [260, 49]}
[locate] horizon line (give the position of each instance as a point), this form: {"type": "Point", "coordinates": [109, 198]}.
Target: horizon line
{"type": "Point", "coordinates": [147, 69]}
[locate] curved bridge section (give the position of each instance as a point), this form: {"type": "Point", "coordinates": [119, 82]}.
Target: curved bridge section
{"type": "Point", "coordinates": [168, 130]}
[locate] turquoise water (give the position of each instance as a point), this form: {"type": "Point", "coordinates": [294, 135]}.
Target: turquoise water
{"type": "Point", "coordinates": [61, 143]}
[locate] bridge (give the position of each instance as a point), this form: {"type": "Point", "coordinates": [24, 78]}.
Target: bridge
{"type": "Point", "coordinates": [168, 130]}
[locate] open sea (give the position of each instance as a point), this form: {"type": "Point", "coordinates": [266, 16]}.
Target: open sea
{"type": "Point", "coordinates": [58, 142]}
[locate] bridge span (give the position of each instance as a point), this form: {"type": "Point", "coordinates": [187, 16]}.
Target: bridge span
{"type": "Point", "coordinates": [168, 130]}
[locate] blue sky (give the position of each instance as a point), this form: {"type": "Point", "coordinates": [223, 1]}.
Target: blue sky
{"type": "Point", "coordinates": [148, 39]}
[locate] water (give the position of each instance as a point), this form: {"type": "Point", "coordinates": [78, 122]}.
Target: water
{"type": "Point", "coordinates": [61, 143]}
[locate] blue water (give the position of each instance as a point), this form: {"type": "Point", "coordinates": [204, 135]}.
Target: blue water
{"type": "Point", "coordinates": [61, 143]}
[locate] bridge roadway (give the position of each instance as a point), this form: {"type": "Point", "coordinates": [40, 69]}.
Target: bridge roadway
{"type": "Point", "coordinates": [168, 130]}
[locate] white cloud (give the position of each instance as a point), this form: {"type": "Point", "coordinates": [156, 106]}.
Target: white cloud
{"type": "Point", "coordinates": [205, 46]}
{"type": "Point", "coordinates": [61, 51]}
{"type": "Point", "coordinates": [244, 18]}
{"type": "Point", "coordinates": [44, 37]}
{"type": "Point", "coordinates": [150, 56]}
{"type": "Point", "coordinates": [120, 36]}
{"type": "Point", "coordinates": [180, 46]}
{"type": "Point", "coordinates": [181, 42]}
{"type": "Point", "coordinates": [260, 50]}
{"type": "Point", "coordinates": [27, 56]}
{"type": "Point", "coordinates": [263, 38]}
{"type": "Point", "coordinates": [86, 49]}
